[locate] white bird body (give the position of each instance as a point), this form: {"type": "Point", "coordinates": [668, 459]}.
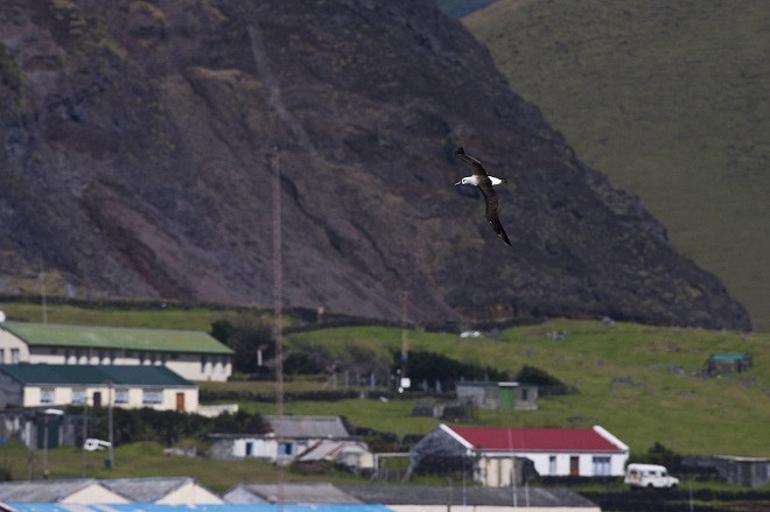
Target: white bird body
{"type": "Point", "coordinates": [474, 180]}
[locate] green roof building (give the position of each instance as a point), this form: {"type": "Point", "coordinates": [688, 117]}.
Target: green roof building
{"type": "Point", "coordinates": [50, 385]}
{"type": "Point", "coordinates": [192, 354]}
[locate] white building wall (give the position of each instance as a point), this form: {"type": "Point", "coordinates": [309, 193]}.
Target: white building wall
{"type": "Point", "coordinates": [495, 470]}
{"type": "Point", "coordinates": [190, 494]}
{"type": "Point", "coordinates": [94, 494]}
{"type": "Point", "coordinates": [214, 367]}
{"type": "Point", "coordinates": [9, 342]}
{"type": "Point", "coordinates": [268, 448]}
{"type": "Point", "coordinates": [63, 395]}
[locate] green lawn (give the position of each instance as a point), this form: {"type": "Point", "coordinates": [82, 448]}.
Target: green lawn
{"type": "Point", "coordinates": [669, 99]}
{"type": "Point", "coordinates": [147, 459]}
{"type": "Point", "coordinates": [628, 377]}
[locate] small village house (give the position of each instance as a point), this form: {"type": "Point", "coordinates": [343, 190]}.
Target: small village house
{"type": "Point", "coordinates": [317, 492]}
{"type": "Point", "coordinates": [727, 362]}
{"type": "Point", "coordinates": [192, 354]}
{"type": "Point", "coordinates": [179, 490]}
{"type": "Point", "coordinates": [88, 491]}
{"type": "Point", "coordinates": [130, 387]}
{"type": "Point", "coordinates": [577, 452]}
{"type": "Point", "coordinates": [302, 439]}
{"type": "Point", "coordinates": [79, 491]}
{"type": "Point", "coordinates": [748, 471]}
{"type": "Point", "coordinates": [505, 396]}
{"type": "Point", "coordinates": [437, 498]}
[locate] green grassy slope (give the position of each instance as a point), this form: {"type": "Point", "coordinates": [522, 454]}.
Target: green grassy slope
{"type": "Point", "coordinates": [627, 376]}
{"type": "Point", "coordinates": [670, 100]}
{"type": "Point", "coordinates": [458, 8]}
{"type": "Point", "coordinates": [199, 319]}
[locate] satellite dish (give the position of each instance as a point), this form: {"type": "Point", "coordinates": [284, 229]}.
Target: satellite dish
{"type": "Point", "coordinates": [2, 317]}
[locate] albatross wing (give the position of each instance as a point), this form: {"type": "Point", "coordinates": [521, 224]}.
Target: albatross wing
{"type": "Point", "coordinates": [478, 169]}
{"type": "Point", "coordinates": [490, 196]}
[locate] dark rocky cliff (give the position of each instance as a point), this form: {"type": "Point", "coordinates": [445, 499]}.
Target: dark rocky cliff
{"type": "Point", "coordinates": [134, 140]}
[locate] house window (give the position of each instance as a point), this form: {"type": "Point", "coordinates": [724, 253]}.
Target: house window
{"type": "Point", "coordinates": [78, 396]}
{"type": "Point", "coordinates": [203, 364]}
{"type": "Point", "coordinates": [552, 464]}
{"type": "Point", "coordinates": [46, 395]}
{"type": "Point", "coordinates": [524, 394]}
{"type": "Point", "coordinates": [601, 466]}
{"type": "Point", "coordinates": [152, 396]}
{"type": "Point", "coordinates": [14, 355]}
{"type": "Point", "coordinates": [2, 356]}
{"type": "Point", "coordinates": [121, 396]}
{"type": "Point", "coordinates": [249, 448]}
{"type": "Point", "coordinates": [284, 449]}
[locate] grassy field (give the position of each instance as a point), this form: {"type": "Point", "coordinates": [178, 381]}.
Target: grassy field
{"type": "Point", "coordinates": [145, 459]}
{"type": "Point", "coordinates": [670, 100]}
{"type": "Point", "coordinates": [640, 382]}
{"type": "Point", "coordinates": [163, 318]}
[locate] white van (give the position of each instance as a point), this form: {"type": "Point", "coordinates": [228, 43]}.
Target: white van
{"type": "Point", "coordinates": [649, 475]}
{"type": "Point", "coordinates": [91, 444]}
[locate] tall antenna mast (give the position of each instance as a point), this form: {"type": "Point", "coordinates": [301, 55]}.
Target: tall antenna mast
{"type": "Point", "coordinates": [404, 379]}
{"type": "Point", "coordinates": [275, 166]}
{"type": "Point", "coordinates": [43, 300]}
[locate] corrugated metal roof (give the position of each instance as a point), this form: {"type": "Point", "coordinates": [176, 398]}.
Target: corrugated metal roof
{"type": "Point", "coordinates": [293, 493]}
{"type": "Point", "coordinates": [472, 496]}
{"type": "Point", "coordinates": [308, 426]}
{"type": "Point", "coordinates": [93, 374]}
{"type": "Point", "coordinates": [163, 340]}
{"type": "Point", "coordinates": [145, 490]}
{"type": "Point", "coordinates": [42, 491]}
{"type": "Point", "coordinates": [729, 356]}
{"type": "Point", "coordinates": [152, 507]}
{"type": "Point", "coordinates": [535, 439]}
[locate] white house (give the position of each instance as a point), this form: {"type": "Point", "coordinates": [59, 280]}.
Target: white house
{"type": "Point", "coordinates": [80, 491]}
{"type": "Point", "coordinates": [302, 439]}
{"type": "Point", "coordinates": [175, 490]}
{"type": "Point", "coordinates": [584, 452]}
{"type": "Point", "coordinates": [192, 354]}
{"type": "Point", "coordinates": [130, 387]}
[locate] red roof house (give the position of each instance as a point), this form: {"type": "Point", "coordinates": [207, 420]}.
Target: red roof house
{"type": "Point", "coordinates": [576, 452]}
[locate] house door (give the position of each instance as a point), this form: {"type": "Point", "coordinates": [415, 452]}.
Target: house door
{"type": "Point", "coordinates": [180, 402]}
{"type": "Point", "coordinates": [574, 466]}
{"type": "Point", "coordinates": [97, 398]}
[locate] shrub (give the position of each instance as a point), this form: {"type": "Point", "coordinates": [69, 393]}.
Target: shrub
{"type": "Point", "coordinates": [433, 367]}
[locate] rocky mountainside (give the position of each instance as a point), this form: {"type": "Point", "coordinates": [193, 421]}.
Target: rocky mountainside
{"type": "Point", "coordinates": [136, 139]}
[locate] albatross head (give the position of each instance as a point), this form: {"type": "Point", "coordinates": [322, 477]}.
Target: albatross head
{"type": "Point", "coordinates": [463, 181]}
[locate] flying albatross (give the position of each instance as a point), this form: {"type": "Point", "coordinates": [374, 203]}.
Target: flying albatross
{"type": "Point", "coordinates": [487, 185]}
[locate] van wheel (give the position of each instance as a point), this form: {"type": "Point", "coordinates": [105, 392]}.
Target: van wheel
{"type": "Point", "coordinates": [672, 486]}
{"type": "Point", "coordinates": [650, 486]}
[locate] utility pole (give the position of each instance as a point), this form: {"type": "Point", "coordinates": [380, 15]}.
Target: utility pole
{"type": "Point", "coordinates": [45, 446]}
{"type": "Point", "coordinates": [85, 435]}
{"type": "Point", "coordinates": [275, 167]}
{"type": "Point", "coordinates": [111, 458]}
{"type": "Point", "coordinates": [43, 299]}
{"type": "Point", "coordinates": [404, 381]}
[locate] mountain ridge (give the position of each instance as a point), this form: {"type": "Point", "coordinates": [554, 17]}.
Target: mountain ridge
{"type": "Point", "coordinates": [147, 129]}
